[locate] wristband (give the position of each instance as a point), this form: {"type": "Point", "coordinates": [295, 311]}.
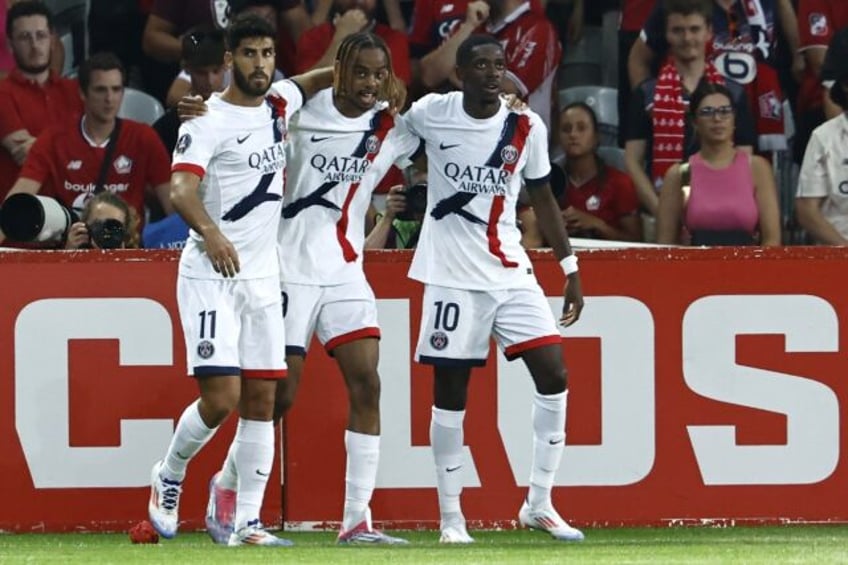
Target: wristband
{"type": "Point", "coordinates": [569, 265]}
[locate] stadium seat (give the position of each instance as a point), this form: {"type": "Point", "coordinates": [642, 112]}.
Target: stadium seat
{"type": "Point", "coordinates": [140, 106]}
{"type": "Point", "coordinates": [582, 63]}
{"type": "Point", "coordinates": [613, 156]}
{"type": "Point", "coordinates": [604, 102]}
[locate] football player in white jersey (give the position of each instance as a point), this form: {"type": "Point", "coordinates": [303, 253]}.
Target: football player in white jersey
{"type": "Point", "coordinates": [227, 183]}
{"type": "Point", "coordinates": [341, 144]}
{"type": "Point", "coordinates": [478, 279]}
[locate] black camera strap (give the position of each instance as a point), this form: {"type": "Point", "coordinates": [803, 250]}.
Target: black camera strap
{"type": "Point", "coordinates": [107, 157]}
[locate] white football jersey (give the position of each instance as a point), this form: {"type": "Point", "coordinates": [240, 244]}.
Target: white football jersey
{"type": "Point", "coordinates": [239, 153]}
{"type": "Point", "coordinates": [334, 164]}
{"type": "Point", "coordinates": [475, 171]}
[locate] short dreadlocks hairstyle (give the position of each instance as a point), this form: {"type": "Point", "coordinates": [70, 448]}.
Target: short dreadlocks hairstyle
{"type": "Point", "coordinates": [392, 90]}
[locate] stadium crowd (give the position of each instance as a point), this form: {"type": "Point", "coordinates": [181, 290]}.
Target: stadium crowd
{"type": "Point", "coordinates": [611, 80]}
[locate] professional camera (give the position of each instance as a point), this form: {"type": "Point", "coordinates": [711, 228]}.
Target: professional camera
{"type": "Point", "coordinates": [33, 218]}
{"type": "Point", "coordinates": [107, 234]}
{"type": "Point", "coordinates": [416, 202]}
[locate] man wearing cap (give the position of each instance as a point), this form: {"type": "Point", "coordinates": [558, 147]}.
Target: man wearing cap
{"type": "Point", "coordinates": [203, 61]}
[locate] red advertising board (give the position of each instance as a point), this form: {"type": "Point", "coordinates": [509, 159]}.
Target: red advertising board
{"type": "Point", "coordinates": [93, 380]}
{"type": "Point", "coordinates": [704, 385]}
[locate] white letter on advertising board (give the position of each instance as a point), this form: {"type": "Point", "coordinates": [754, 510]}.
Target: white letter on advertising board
{"type": "Point", "coordinates": [626, 452]}
{"type": "Point", "coordinates": [809, 324]}
{"type": "Point", "coordinates": [42, 414]}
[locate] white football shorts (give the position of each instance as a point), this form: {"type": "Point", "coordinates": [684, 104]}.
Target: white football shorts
{"type": "Point", "coordinates": [337, 314]}
{"type": "Point", "coordinates": [232, 327]}
{"type": "Point", "coordinates": [456, 324]}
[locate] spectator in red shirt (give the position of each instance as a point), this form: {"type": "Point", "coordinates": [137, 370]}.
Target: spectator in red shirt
{"type": "Point", "coordinates": [818, 21]}
{"type": "Point", "coordinates": [170, 19]}
{"type": "Point", "coordinates": [597, 201]}
{"type": "Point", "coordinates": [530, 43]}
{"type": "Point", "coordinates": [32, 96]}
{"type": "Point", "coordinates": [317, 47]}
{"type": "Point", "coordinates": [436, 22]}
{"type": "Point", "coordinates": [67, 161]}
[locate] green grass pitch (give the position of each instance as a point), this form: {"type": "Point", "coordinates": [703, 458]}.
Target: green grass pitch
{"type": "Point", "coordinates": [779, 544]}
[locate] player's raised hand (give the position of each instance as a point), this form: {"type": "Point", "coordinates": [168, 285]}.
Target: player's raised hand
{"type": "Point", "coordinates": [573, 305]}
{"type": "Point", "coordinates": [352, 21]}
{"type": "Point", "coordinates": [221, 253]}
{"type": "Point", "coordinates": [190, 107]}
{"type": "Point", "coordinates": [477, 13]}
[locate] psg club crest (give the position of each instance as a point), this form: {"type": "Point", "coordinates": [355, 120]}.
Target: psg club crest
{"type": "Point", "coordinates": [372, 144]}
{"type": "Point", "coordinates": [183, 143]}
{"type": "Point", "coordinates": [509, 154]}
{"type": "Point", "coordinates": [205, 349]}
{"type": "Point", "coordinates": [439, 340]}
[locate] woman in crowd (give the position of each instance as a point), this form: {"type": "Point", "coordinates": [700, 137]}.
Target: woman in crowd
{"type": "Point", "coordinates": [597, 201]}
{"type": "Point", "coordinates": [721, 196]}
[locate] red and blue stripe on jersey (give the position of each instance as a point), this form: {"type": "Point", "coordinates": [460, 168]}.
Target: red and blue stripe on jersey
{"type": "Point", "coordinates": [381, 125]}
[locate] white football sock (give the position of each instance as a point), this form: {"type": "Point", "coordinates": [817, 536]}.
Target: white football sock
{"type": "Point", "coordinates": [548, 444]}
{"type": "Point", "coordinates": [189, 437]}
{"type": "Point", "coordinates": [254, 458]}
{"type": "Point", "coordinates": [446, 440]}
{"type": "Point", "coordinates": [363, 457]}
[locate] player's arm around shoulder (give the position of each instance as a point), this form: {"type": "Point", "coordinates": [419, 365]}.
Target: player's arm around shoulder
{"type": "Point", "coordinates": [312, 82]}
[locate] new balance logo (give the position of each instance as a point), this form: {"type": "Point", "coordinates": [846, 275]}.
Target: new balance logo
{"type": "Point", "coordinates": [442, 146]}
{"type": "Point", "coordinates": [452, 469]}
{"type": "Point", "coordinates": [241, 140]}
{"type": "Point", "coordinates": [74, 165]}
{"type": "Point", "coordinates": [316, 139]}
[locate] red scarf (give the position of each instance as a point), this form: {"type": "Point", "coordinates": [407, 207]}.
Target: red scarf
{"type": "Point", "coordinates": [669, 118]}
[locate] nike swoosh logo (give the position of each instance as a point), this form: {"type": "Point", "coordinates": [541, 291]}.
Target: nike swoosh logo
{"type": "Point", "coordinates": [261, 474]}
{"type": "Point", "coordinates": [181, 456]}
{"type": "Point", "coordinates": [452, 469]}
{"type": "Point", "coordinates": [316, 139]}
{"type": "Point", "coordinates": [442, 146]}
{"type": "Point", "coordinates": [555, 441]}
{"type": "Point", "coordinates": [241, 140]}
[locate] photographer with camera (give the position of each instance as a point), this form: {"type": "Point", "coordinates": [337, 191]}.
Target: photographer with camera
{"type": "Point", "coordinates": [73, 160]}
{"type": "Point", "coordinates": [107, 222]}
{"type": "Point", "coordinates": [400, 225]}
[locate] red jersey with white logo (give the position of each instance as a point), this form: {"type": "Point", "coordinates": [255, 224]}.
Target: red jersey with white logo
{"type": "Point", "coordinates": [334, 164]}
{"type": "Point", "coordinates": [433, 21]}
{"type": "Point", "coordinates": [67, 164]}
{"type": "Point", "coordinates": [475, 170]}
{"type": "Point", "coordinates": [818, 20]}
{"type": "Point", "coordinates": [533, 53]}
{"type": "Point", "coordinates": [238, 152]}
